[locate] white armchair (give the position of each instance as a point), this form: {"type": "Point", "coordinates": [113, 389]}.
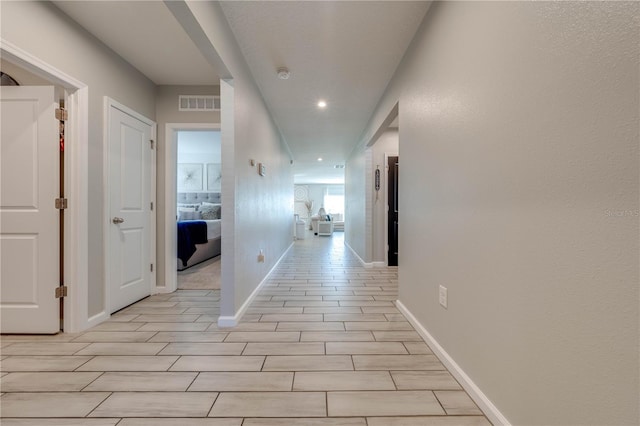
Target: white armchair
{"type": "Point", "coordinates": [325, 228]}
{"type": "Point", "coordinates": [321, 216]}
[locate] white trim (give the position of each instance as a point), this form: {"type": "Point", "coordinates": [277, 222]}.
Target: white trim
{"type": "Point", "coordinates": [232, 321]}
{"type": "Point", "coordinates": [97, 319]}
{"type": "Point", "coordinates": [153, 213]}
{"type": "Point", "coordinates": [170, 203]}
{"type": "Point", "coordinates": [108, 104]}
{"type": "Point", "coordinates": [76, 244]}
{"type": "Point", "coordinates": [17, 56]}
{"type": "Point", "coordinates": [378, 264]}
{"type": "Point", "coordinates": [488, 408]}
{"type": "Point", "coordinates": [364, 264]}
{"type": "Point", "coordinates": [76, 217]}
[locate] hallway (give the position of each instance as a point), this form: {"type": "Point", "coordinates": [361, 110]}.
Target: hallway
{"type": "Point", "coordinates": [322, 339]}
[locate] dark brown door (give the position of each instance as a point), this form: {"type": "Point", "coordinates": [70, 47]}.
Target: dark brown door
{"type": "Point", "coordinates": [393, 211]}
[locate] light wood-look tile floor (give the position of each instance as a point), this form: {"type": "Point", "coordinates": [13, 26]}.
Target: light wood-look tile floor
{"type": "Point", "coordinates": [322, 344]}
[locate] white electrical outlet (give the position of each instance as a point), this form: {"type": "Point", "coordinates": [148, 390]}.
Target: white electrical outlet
{"type": "Point", "coordinates": [442, 296]}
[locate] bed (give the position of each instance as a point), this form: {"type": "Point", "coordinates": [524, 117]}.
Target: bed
{"type": "Point", "coordinates": [212, 247]}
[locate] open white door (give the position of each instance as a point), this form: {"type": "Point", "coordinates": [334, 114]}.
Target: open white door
{"type": "Point", "coordinates": [29, 221]}
{"type": "Point", "coordinates": [130, 172]}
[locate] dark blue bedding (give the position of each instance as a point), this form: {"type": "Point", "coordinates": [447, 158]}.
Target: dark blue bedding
{"type": "Point", "coordinates": [190, 233]}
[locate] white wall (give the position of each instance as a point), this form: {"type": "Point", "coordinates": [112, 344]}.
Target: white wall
{"type": "Point", "coordinates": [199, 147]}
{"type": "Point", "coordinates": [387, 144]}
{"type": "Point", "coordinates": [355, 205]}
{"type": "Point", "coordinates": [202, 148]}
{"type": "Point", "coordinates": [261, 217]}
{"type": "Point", "coordinates": [42, 30]}
{"type": "Point", "coordinates": [316, 192]}
{"type": "Point", "coordinates": [519, 192]}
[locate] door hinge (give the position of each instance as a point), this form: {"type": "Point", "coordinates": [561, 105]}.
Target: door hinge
{"type": "Point", "coordinates": [152, 206]}
{"type": "Point", "coordinates": [61, 203]}
{"type": "Point", "coordinates": [152, 143]}
{"type": "Point", "coordinates": [61, 291]}
{"type": "Point", "coordinates": [62, 114]}
{"type": "Point", "coordinates": [152, 267]}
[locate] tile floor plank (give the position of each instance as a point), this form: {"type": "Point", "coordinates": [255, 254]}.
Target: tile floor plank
{"type": "Point", "coordinates": [270, 404]}
{"type": "Point", "coordinates": [128, 363]}
{"type": "Point", "coordinates": [429, 421]}
{"type": "Point", "coordinates": [343, 380]}
{"type": "Point", "coordinates": [46, 381]}
{"type": "Point", "coordinates": [218, 363]}
{"type": "Point", "coordinates": [122, 349]}
{"type": "Point", "coordinates": [136, 381]}
{"type": "Point", "coordinates": [155, 404]}
{"type": "Point", "coordinates": [191, 348]}
{"type": "Point", "coordinates": [32, 348]}
{"type": "Point", "coordinates": [51, 404]}
{"type": "Point", "coordinates": [284, 349]}
{"type": "Point", "coordinates": [180, 422]}
{"type": "Point", "coordinates": [42, 363]}
{"type": "Point", "coordinates": [416, 380]}
{"type": "Point", "coordinates": [243, 381]}
{"type": "Point", "coordinates": [383, 403]}
{"type": "Point", "coordinates": [308, 363]}
{"type": "Point", "coordinates": [329, 421]}
{"type": "Point", "coordinates": [60, 422]}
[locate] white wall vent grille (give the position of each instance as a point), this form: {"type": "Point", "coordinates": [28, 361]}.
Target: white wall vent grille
{"type": "Point", "coordinates": [198, 103]}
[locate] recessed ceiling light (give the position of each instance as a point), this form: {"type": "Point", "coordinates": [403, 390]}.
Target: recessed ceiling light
{"type": "Point", "coordinates": [319, 158]}
{"type": "Point", "coordinates": [322, 104]}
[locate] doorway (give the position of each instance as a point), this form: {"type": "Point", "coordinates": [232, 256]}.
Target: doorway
{"type": "Point", "coordinates": [170, 256]}
{"type": "Point", "coordinates": [199, 186]}
{"type": "Point", "coordinates": [393, 169]}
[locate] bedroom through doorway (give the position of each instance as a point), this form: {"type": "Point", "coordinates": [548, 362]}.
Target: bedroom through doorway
{"type": "Point", "coordinates": [199, 177]}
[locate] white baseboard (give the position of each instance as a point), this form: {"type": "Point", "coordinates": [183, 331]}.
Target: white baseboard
{"type": "Point", "coordinates": [362, 262]}
{"type": "Point", "coordinates": [378, 264]}
{"type": "Point", "coordinates": [491, 411]}
{"type": "Point", "coordinates": [95, 320]}
{"type": "Point", "coordinates": [233, 320]}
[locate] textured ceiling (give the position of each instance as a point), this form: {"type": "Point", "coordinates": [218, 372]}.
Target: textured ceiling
{"type": "Point", "coordinates": [343, 52]}
{"type": "Point", "coordinates": [147, 36]}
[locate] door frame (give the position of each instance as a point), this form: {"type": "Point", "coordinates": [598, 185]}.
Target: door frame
{"type": "Point", "coordinates": [108, 104]}
{"type": "Point", "coordinates": [385, 187]}
{"type": "Point", "coordinates": [170, 199]}
{"type": "Point", "coordinates": [76, 174]}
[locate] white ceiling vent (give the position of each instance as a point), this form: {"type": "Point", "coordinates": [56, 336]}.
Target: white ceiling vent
{"type": "Point", "coordinates": [198, 103]}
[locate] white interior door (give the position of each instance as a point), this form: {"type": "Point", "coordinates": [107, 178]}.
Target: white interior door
{"type": "Point", "coordinates": [130, 154]}
{"type": "Point", "coordinates": [29, 221]}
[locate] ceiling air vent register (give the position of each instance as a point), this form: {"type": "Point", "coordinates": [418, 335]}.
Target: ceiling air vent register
{"type": "Point", "coordinates": [198, 103]}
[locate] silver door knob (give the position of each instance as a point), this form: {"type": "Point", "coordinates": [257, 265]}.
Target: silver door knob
{"type": "Point", "coordinates": [117, 220]}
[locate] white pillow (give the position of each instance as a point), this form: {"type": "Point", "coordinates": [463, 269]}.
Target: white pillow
{"type": "Point", "coordinates": [188, 213]}
{"type": "Point", "coordinates": [211, 211]}
{"type": "Point", "coordinates": [194, 206]}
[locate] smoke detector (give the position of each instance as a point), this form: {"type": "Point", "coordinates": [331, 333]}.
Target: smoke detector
{"type": "Point", "coordinates": [283, 73]}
